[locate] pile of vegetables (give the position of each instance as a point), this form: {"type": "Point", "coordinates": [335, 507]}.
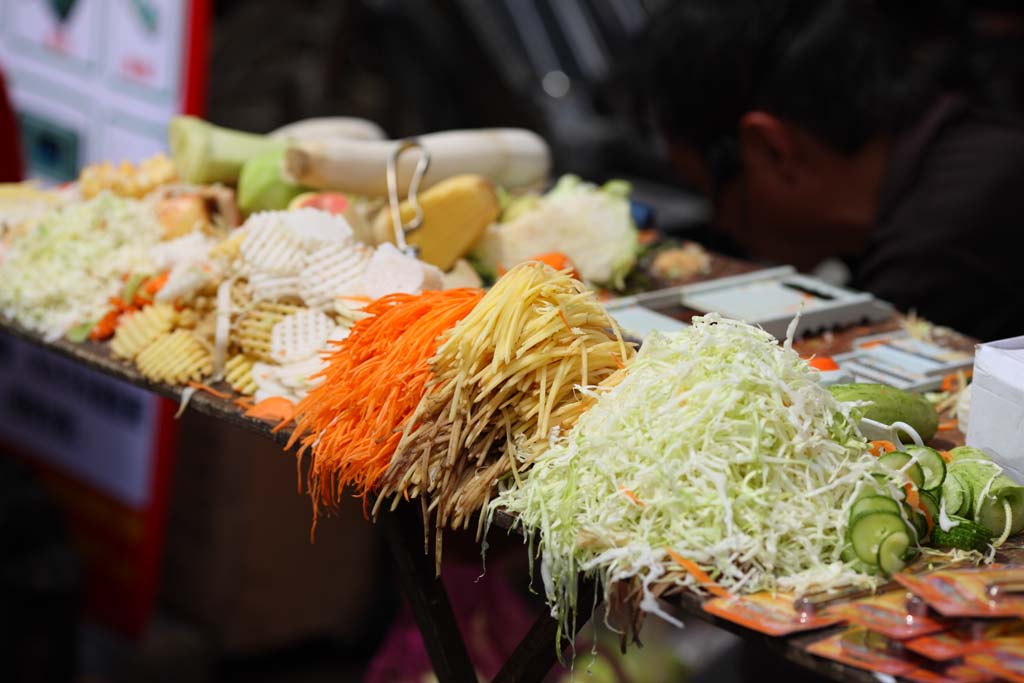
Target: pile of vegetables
{"type": "Point", "coordinates": [61, 273]}
{"type": "Point", "coordinates": [591, 225]}
{"type": "Point", "coordinates": [505, 378]}
{"type": "Point", "coordinates": [718, 453]}
{"type": "Point", "coordinates": [373, 381]}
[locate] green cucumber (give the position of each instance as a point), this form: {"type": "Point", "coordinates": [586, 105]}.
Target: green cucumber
{"type": "Point", "coordinates": [889, 405]}
{"type": "Point", "coordinates": [956, 495]}
{"type": "Point", "coordinates": [847, 555]}
{"type": "Point", "coordinates": [931, 463]}
{"type": "Point", "coordinates": [972, 466]}
{"type": "Point", "coordinates": [868, 530]}
{"type": "Point", "coordinates": [874, 504]}
{"type": "Point", "coordinates": [966, 535]}
{"type": "Point", "coordinates": [893, 551]}
{"type": "Point", "coordinates": [930, 502]}
{"type": "Point", "coordinates": [898, 460]}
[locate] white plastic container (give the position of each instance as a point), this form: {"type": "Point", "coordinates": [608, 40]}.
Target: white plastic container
{"type": "Point", "coordinates": [996, 422]}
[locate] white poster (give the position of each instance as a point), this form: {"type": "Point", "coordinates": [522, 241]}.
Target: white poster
{"type": "Point", "coordinates": [120, 62]}
{"type": "Point", "coordinates": [84, 424]}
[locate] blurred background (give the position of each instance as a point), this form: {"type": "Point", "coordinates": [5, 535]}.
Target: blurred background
{"type": "Point", "coordinates": [210, 574]}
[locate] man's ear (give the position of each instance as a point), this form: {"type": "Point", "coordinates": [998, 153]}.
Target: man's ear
{"type": "Point", "coordinates": [769, 144]}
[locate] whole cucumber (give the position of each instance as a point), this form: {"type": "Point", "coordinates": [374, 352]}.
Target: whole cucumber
{"type": "Point", "coordinates": [889, 404]}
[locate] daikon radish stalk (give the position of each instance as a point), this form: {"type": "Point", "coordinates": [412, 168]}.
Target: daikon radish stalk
{"type": "Point", "coordinates": [205, 153]}
{"type": "Point", "coordinates": [509, 157]}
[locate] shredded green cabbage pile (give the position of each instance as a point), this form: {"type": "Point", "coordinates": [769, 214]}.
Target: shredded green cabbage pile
{"type": "Point", "coordinates": [735, 455]}
{"type": "Point", "coordinates": [64, 270]}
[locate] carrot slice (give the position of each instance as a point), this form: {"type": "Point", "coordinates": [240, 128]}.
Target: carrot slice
{"type": "Point", "coordinates": [705, 581]}
{"type": "Point", "coordinates": [272, 409]}
{"type": "Point", "coordinates": [558, 261]}
{"type": "Point", "coordinates": [210, 390]}
{"type": "Point", "coordinates": [823, 363]}
{"type": "Point", "coordinates": [947, 456]}
{"type": "Point", "coordinates": [104, 329]}
{"type": "Point", "coordinates": [949, 425]}
{"type": "Point", "coordinates": [881, 446]}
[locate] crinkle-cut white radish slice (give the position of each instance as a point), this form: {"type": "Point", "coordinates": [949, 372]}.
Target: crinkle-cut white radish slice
{"type": "Point", "coordinates": [299, 336]}
{"type": "Point", "coordinates": [222, 329]}
{"type": "Point", "coordinates": [270, 247]}
{"type": "Point", "coordinates": [187, 278]}
{"type": "Point", "coordinates": [190, 248]}
{"type": "Point", "coordinates": [315, 228]}
{"type": "Point", "coordinates": [332, 271]}
{"type": "Point", "coordinates": [433, 277]}
{"type": "Point", "coordinates": [265, 376]}
{"type": "Point", "coordinates": [390, 271]}
{"type": "Point", "coordinates": [298, 376]}
{"type": "Point", "coordinates": [269, 287]}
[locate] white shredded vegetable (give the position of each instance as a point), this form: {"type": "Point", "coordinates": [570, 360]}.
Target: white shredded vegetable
{"type": "Point", "coordinates": [64, 270]}
{"type": "Point", "coordinates": [720, 445]}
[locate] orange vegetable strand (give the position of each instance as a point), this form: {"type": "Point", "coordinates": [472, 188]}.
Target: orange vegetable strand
{"type": "Point", "coordinates": [352, 422]}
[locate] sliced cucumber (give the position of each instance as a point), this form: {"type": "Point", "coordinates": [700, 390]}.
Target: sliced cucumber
{"type": "Point", "coordinates": [956, 495]}
{"type": "Point", "coordinates": [893, 551]}
{"type": "Point", "coordinates": [932, 464]}
{"type": "Point", "coordinates": [966, 535]}
{"type": "Point", "coordinates": [874, 504]}
{"type": "Point", "coordinates": [930, 502]}
{"type": "Point", "coordinates": [869, 529]}
{"type": "Point", "coordinates": [920, 524]}
{"type": "Point", "coordinates": [898, 460]}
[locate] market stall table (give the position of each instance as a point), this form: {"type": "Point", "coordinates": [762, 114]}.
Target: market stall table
{"type": "Point", "coordinates": [403, 528]}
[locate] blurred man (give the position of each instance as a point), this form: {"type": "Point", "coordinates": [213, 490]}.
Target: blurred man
{"type": "Point", "coordinates": [817, 133]}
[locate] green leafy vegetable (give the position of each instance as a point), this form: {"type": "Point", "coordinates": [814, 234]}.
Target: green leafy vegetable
{"type": "Point", "coordinates": [720, 445]}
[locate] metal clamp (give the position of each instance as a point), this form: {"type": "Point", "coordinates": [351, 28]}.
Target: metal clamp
{"type": "Point", "coordinates": [414, 186]}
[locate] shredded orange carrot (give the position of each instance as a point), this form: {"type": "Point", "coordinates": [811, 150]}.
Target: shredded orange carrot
{"type": "Point", "coordinates": [949, 425]}
{"type": "Point", "coordinates": [705, 581]}
{"type": "Point", "coordinates": [881, 446]}
{"type": "Point", "coordinates": [244, 403]}
{"type": "Point", "coordinates": [104, 329]}
{"type": "Point", "coordinates": [947, 456]}
{"type": "Point", "coordinates": [272, 409]}
{"type": "Point", "coordinates": [618, 362]}
{"type": "Point", "coordinates": [210, 390]}
{"type": "Point", "coordinates": [633, 497]}
{"type": "Point", "coordinates": [373, 382]}
{"type": "Point", "coordinates": [155, 284]}
{"type": "Point", "coordinates": [914, 501]}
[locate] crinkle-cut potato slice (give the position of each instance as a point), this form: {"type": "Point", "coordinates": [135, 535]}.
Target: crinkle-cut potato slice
{"type": "Point", "coordinates": [238, 374]}
{"type": "Point", "coordinates": [175, 358]}
{"type": "Point", "coordinates": [253, 331]}
{"type": "Point", "coordinates": [136, 331]}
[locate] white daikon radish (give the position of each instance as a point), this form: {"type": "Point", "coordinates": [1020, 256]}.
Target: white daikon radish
{"type": "Point", "coordinates": [326, 127]}
{"type": "Point", "coordinates": [512, 158]}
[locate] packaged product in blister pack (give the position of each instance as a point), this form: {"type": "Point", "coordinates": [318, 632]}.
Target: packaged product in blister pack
{"type": "Point", "coordinates": [864, 649]}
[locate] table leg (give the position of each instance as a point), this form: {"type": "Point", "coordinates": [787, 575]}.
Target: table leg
{"type": "Point", "coordinates": [536, 652]}
{"type": "Point", "coordinates": [427, 597]}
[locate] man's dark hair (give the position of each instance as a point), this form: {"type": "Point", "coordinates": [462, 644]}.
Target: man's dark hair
{"type": "Point", "coordinates": [836, 68]}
